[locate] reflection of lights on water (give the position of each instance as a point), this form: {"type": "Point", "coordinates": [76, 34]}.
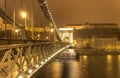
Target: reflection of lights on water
{"type": "Point", "coordinates": [119, 58]}
{"type": "Point", "coordinates": [75, 66]}
{"type": "Point", "coordinates": [109, 63]}
{"type": "Point", "coordinates": [118, 62]}
{"type": "Point", "coordinates": [57, 68]}
{"type": "Point", "coordinates": [109, 58]}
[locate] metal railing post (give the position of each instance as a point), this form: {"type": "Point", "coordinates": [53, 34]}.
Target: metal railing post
{"type": "Point", "coordinates": [9, 65]}
{"type": "Point", "coordinates": [21, 61]}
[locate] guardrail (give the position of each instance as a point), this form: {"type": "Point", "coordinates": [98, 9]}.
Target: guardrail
{"type": "Point", "coordinates": [18, 60]}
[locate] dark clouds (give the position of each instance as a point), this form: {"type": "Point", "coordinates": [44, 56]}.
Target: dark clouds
{"type": "Point", "coordinates": [81, 11]}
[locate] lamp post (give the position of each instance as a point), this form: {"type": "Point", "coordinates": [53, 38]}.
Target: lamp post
{"type": "Point", "coordinates": [16, 31]}
{"type": "Point", "coordinates": [38, 37]}
{"type": "Point", "coordinates": [13, 34]}
{"type": "Point", "coordinates": [52, 30]}
{"type": "Point", "coordinates": [24, 16]}
{"type": "Point", "coordinates": [47, 37]}
{"type": "Point", "coordinates": [51, 33]}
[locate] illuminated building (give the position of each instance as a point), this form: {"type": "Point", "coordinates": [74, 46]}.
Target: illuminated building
{"type": "Point", "coordinates": [108, 43]}
{"type": "Point", "coordinates": [101, 25]}
{"type": "Point", "coordinates": [66, 34]}
{"type": "Point", "coordinates": [96, 35]}
{"type": "Point", "coordinates": [75, 26]}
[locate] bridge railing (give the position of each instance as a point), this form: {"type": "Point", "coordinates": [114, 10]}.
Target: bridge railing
{"type": "Point", "coordinates": [19, 59]}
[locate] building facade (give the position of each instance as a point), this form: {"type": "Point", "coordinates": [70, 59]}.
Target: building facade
{"type": "Point", "coordinates": [108, 43]}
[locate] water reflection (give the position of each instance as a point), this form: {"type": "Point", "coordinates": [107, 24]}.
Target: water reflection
{"type": "Point", "coordinates": [92, 66]}
{"type": "Point", "coordinates": [71, 69]}
{"type": "Point", "coordinates": [74, 69]}
{"type": "Point", "coordinates": [119, 58]}
{"type": "Point", "coordinates": [118, 66]}
{"type": "Point", "coordinates": [84, 66]}
{"type": "Point", "coordinates": [109, 59]}
{"type": "Point", "coordinates": [57, 68]}
{"type": "Point", "coordinates": [109, 68]}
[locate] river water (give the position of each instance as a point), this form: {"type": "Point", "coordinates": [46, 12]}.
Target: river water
{"type": "Point", "coordinates": [92, 66]}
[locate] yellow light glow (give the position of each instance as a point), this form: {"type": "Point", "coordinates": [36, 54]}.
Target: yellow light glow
{"type": "Point", "coordinates": [52, 30]}
{"type": "Point", "coordinates": [75, 42]}
{"type": "Point", "coordinates": [47, 37]}
{"type": "Point", "coordinates": [37, 66]}
{"type": "Point", "coordinates": [20, 76]}
{"type": "Point", "coordinates": [24, 14]}
{"type": "Point", "coordinates": [109, 58]}
{"type": "Point", "coordinates": [16, 30]}
{"type": "Point", "coordinates": [46, 60]}
{"type": "Point", "coordinates": [30, 70]}
{"type": "Point", "coordinates": [85, 57]}
{"type": "Point", "coordinates": [119, 58]}
{"type": "Point", "coordinates": [38, 35]}
{"type": "Point", "coordinates": [65, 29]}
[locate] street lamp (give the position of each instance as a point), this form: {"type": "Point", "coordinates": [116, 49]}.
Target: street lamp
{"type": "Point", "coordinates": [47, 37]}
{"type": "Point", "coordinates": [52, 30]}
{"type": "Point", "coordinates": [16, 31]}
{"type": "Point", "coordinates": [38, 36]}
{"type": "Point", "coordinates": [51, 33]}
{"type": "Point", "coordinates": [24, 16]}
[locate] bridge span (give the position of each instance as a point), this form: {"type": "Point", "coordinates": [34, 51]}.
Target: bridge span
{"type": "Point", "coordinates": [24, 60]}
{"type": "Point", "coordinates": [29, 38]}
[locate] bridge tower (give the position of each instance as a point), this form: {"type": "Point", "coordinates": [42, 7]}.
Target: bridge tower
{"type": "Point", "coordinates": [66, 34]}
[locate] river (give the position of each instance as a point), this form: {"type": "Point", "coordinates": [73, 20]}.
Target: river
{"type": "Point", "coordinates": [92, 66]}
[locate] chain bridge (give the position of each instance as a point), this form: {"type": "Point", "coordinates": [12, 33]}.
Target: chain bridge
{"type": "Point", "coordinates": [29, 38]}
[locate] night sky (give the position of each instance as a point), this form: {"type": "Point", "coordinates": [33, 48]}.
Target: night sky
{"type": "Point", "coordinates": [24, 5]}
{"type": "Point", "coordinates": [71, 11]}
{"type": "Point", "coordinates": [81, 11]}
